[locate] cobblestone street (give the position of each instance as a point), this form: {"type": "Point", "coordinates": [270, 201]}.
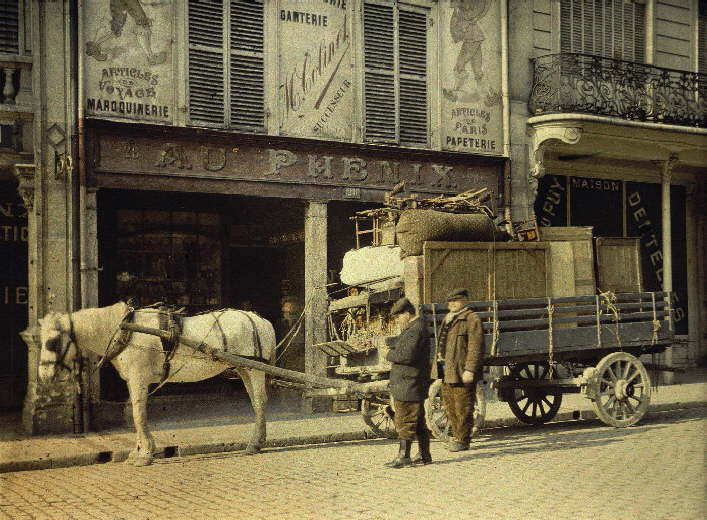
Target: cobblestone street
{"type": "Point", "coordinates": [571, 471]}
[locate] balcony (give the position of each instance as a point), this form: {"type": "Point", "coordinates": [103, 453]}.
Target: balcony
{"type": "Point", "coordinates": [582, 83]}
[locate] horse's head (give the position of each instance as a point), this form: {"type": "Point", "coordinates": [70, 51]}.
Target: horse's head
{"type": "Point", "coordinates": [55, 340]}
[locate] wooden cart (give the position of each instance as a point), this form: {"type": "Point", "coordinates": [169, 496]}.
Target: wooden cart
{"type": "Point", "coordinates": [552, 346]}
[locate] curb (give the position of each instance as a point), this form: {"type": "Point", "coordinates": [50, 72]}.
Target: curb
{"type": "Point", "coordinates": [120, 455]}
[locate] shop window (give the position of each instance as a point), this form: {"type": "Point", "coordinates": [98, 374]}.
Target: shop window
{"type": "Point", "coordinates": [226, 69]}
{"type": "Point", "coordinates": [169, 256]}
{"type": "Point", "coordinates": [608, 28]}
{"type": "Point", "coordinates": [395, 76]}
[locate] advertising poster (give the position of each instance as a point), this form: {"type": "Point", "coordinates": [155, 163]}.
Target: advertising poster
{"type": "Point", "coordinates": [315, 95]}
{"type": "Point", "coordinates": [127, 59]}
{"type": "Point", "coordinates": [472, 103]}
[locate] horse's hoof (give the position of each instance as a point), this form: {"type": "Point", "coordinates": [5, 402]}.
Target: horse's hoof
{"type": "Point", "coordinates": [142, 461]}
{"type": "Point", "coordinates": [252, 450]}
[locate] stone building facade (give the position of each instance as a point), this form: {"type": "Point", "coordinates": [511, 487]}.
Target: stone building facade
{"type": "Point", "coordinates": [179, 150]}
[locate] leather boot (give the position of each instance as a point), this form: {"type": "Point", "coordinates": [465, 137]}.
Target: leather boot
{"type": "Point", "coordinates": [403, 459]}
{"type": "Point", "coordinates": [423, 442]}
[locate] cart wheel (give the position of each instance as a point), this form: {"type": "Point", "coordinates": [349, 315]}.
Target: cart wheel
{"type": "Point", "coordinates": [436, 416]}
{"type": "Point", "coordinates": [378, 413]}
{"type": "Point", "coordinates": [533, 405]}
{"type": "Point", "coordinates": [623, 390]}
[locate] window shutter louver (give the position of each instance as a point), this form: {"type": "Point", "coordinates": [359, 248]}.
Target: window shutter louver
{"type": "Point", "coordinates": [412, 43]}
{"type": "Point", "coordinates": [379, 76]}
{"type": "Point", "coordinates": [9, 27]}
{"type": "Point", "coordinates": [247, 66]}
{"type": "Point", "coordinates": [609, 28]}
{"type": "Point", "coordinates": [206, 77]}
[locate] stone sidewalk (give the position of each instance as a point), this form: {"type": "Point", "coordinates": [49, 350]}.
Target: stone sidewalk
{"type": "Point", "coordinates": [284, 429]}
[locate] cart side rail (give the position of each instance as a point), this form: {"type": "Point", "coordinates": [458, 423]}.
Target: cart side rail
{"type": "Point", "coordinates": [524, 327]}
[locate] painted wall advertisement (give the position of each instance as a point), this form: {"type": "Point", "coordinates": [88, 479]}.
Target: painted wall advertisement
{"type": "Point", "coordinates": [472, 107]}
{"type": "Point", "coordinates": [128, 59]}
{"type": "Point", "coordinates": [315, 95]}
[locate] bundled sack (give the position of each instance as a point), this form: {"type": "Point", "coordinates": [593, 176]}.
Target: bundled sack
{"type": "Point", "coordinates": [416, 226]}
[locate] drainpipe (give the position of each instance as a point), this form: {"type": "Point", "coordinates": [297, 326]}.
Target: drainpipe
{"type": "Point", "coordinates": [506, 116]}
{"type": "Point", "coordinates": [79, 201]}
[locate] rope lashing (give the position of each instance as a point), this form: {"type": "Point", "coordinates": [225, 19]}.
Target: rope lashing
{"type": "Point", "coordinates": [550, 340]}
{"type": "Point", "coordinates": [496, 330]}
{"type": "Point", "coordinates": [598, 316]}
{"type": "Point", "coordinates": [656, 322]}
{"type": "Point", "coordinates": [609, 299]}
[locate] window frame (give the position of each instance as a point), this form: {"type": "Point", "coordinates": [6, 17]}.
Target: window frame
{"type": "Point", "coordinates": [226, 51]}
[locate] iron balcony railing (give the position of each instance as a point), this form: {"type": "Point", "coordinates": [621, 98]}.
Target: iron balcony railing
{"type": "Point", "coordinates": [570, 82]}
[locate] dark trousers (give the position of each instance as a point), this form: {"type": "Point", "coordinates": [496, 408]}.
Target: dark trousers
{"type": "Point", "coordinates": [409, 418]}
{"type": "Point", "coordinates": [458, 401]}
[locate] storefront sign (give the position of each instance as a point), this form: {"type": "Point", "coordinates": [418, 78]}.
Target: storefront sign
{"type": "Point", "coordinates": [472, 104]}
{"type": "Point", "coordinates": [313, 166]}
{"type": "Point", "coordinates": [315, 95]}
{"type": "Point", "coordinates": [127, 59]}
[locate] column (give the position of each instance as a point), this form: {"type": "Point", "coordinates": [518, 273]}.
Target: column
{"type": "Point", "coordinates": [666, 176]}
{"type": "Point", "coordinates": [315, 295]}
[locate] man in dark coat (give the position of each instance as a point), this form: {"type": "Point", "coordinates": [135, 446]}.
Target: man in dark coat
{"type": "Point", "coordinates": [409, 384]}
{"type": "Point", "coordinates": [459, 356]}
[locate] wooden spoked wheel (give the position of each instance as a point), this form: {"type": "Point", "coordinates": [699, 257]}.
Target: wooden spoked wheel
{"type": "Point", "coordinates": [378, 413]}
{"type": "Point", "coordinates": [533, 405]}
{"type": "Point", "coordinates": [623, 390]}
{"type": "Point", "coordinates": [436, 416]}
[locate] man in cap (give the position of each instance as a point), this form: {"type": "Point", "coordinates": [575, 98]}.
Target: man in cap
{"type": "Point", "coordinates": [409, 383]}
{"type": "Point", "coordinates": [459, 356]}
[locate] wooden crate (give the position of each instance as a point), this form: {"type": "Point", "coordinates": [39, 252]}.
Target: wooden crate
{"type": "Point", "coordinates": [490, 270]}
{"type": "Point", "coordinates": [619, 264]}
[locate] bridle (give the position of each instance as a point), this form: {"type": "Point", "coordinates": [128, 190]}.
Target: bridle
{"type": "Point", "coordinates": [61, 357]}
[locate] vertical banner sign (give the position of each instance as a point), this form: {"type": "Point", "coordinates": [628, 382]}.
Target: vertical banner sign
{"type": "Point", "coordinates": [472, 104]}
{"type": "Point", "coordinates": [315, 96]}
{"type": "Point", "coordinates": [644, 219]}
{"type": "Point", "coordinates": [127, 51]}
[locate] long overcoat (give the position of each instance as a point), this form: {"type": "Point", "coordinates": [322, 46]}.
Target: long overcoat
{"type": "Point", "coordinates": [410, 358]}
{"type": "Point", "coordinates": [463, 347]}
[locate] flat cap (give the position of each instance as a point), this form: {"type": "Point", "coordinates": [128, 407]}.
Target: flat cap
{"type": "Point", "coordinates": [458, 294]}
{"type": "Point", "coordinates": [402, 305]}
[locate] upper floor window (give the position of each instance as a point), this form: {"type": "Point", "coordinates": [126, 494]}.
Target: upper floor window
{"type": "Point", "coordinates": [609, 28]}
{"type": "Point", "coordinates": [9, 27]}
{"type": "Point", "coordinates": [395, 75]}
{"type": "Point", "coordinates": [226, 70]}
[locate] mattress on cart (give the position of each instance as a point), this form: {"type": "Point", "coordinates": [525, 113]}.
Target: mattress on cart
{"type": "Point", "coordinates": [368, 264]}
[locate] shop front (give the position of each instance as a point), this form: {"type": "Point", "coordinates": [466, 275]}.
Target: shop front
{"type": "Point", "coordinates": [206, 221]}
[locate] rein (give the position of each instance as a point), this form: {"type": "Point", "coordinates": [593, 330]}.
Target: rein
{"type": "Point", "coordinates": [61, 358]}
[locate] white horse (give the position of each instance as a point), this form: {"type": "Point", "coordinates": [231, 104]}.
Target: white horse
{"type": "Point", "coordinates": [141, 361]}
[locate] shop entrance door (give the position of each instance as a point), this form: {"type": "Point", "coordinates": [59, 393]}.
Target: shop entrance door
{"type": "Point", "coordinates": [256, 274]}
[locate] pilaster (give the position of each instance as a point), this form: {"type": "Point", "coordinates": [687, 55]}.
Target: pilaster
{"type": "Point", "coordinates": [51, 407]}
{"type": "Point", "coordinates": [315, 295]}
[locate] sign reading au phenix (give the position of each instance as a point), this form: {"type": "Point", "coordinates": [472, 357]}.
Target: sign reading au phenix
{"type": "Point", "coordinates": [127, 52]}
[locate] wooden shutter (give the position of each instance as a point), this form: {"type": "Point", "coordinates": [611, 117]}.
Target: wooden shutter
{"type": "Point", "coordinates": [412, 55]}
{"type": "Point", "coordinates": [379, 76]}
{"type": "Point", "coordinates": [9, 27]}
{"type": "Point", "coordinates": [247, 67]}
{"type": "Point", "coordinates": [206, 62]}
{"type": "Point", "coordinates": [610, 28]}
